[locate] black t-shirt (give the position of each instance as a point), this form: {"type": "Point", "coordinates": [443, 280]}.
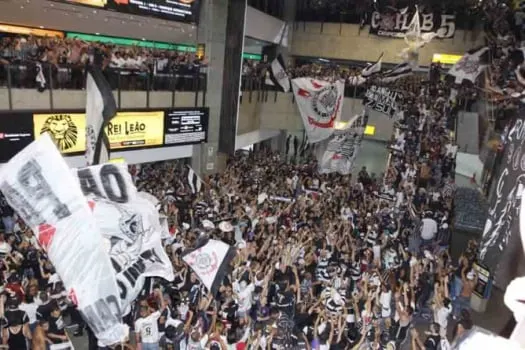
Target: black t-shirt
{"type": "Point", "coordinates": [286, 302]}
{"type": "Point", "coordinates": [432, 342]}
{"type": "Point", "coordinates": [16, 318]}
{"type": "Point", "coordinates": [57, 327]}
{"type": "Point", "coordinates": [43, 312]}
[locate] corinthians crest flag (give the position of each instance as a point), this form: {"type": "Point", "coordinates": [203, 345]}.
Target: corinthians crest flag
{"type": "Point", "coordinates": [100, 109]}
{"type": "Point", "coordinates": [130, 226]}
{"type": "Point", "coordinates": [320, 104]}
{"type": "Point", "coordinates": [342, 148]}
{"type": "Point", "coordinates": [38, 184]}
{"type": "Point", "coordinates": [210, 261]}
{"type": "Point", "coordinates": [470, 66]}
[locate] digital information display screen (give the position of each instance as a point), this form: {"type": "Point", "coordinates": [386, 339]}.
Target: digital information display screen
{"type": "Point", "coordinates": [16, 132]}
{"type": "Point", "coordinates": [183, 126]}
{"type": "Point", "coordinates": [177, 10]}
{"type": "Point", "coordinates": [174, 10]}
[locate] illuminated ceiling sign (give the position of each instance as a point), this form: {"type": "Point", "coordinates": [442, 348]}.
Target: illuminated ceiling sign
{"type": "Point", "coordinates": [7, 28]}
{"type": "Point", "coordinates": [446, 59]}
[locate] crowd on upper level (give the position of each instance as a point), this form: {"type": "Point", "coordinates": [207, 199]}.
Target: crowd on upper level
{"type": "Point", "coordinates": [63, 61]}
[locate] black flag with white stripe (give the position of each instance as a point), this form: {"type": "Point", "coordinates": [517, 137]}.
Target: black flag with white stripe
{"type": "Point", "coordinates": [372, 69]}
{"type": "Point", "coordinates": [100, 109]}
{"type": "Point", "coordinates": [398, 72]}
{"type": "Point", "coordinates": [278, 75]}
{"type": "Point", "coordinates": [194, 181]}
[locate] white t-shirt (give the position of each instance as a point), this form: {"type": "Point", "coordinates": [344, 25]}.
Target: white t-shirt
{"type": "Point", "coordinates": [385, 299]}
{"type": "Point", "coordinates": [245, 298]}
{"type": "Point", "coordinates": [429, 229]}
{"type": "Point", "coordinates": [148, 328]}
{"type": "Point", "coordinates": [30, 310]}
{"type": "Point", "coordinates": [201, 344]}
{"type": "Point", "coordinates": [441, 316]}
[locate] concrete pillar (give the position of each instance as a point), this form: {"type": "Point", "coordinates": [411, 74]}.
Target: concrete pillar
{"type": "Point", "coordinates": [221, 29]}
{"type": "Point", "coordinates": [212, 32]}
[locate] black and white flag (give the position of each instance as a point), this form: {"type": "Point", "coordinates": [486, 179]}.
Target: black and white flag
{"type": "Point", "coordinates": [194, 181]}
{"type": "Point", "coordinates": [342, 148]}
{"type": "Point", "coordinates": [383, 100]}
{"type": "Point", "coordinates": [210, 261]}
{"type": "Point", "coordinates": [400, 71]}
{"type": "Point", "coordinates": [100, 109]}
{"type": "Point", "coordinates": [278, 75]}
{"type": "Point", "coordinates": [372, 69]}
{"type": "Point", "coordinates": [470, 66]}
{"type": "Point", "coordinates": [40, 78]}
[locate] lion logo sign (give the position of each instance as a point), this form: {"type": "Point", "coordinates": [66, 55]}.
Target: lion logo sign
{"type": "Point", "coordinates": [63, 131]}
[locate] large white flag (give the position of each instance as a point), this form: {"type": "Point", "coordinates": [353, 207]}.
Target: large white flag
{"type": "Point", "coordinates": [131, 227]}
{"type": "Point", "coordinates": [100, 109]}
{"type": "Point", "coordinates": [210, 261]}
{"type": "Point", "coordinates": [342, 149]}
{"type": "Point", "coordinates": [470, 66]}
{"type": "Point", "coordinates": [320, 104]}
{"type": "Point", "coordinates": [38, 184]}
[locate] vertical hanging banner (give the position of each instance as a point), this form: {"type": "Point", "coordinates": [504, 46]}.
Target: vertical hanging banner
{"type": "Point", "coordinates": [130, 225]}
{"type": "Point", "coordinates": [320, 104]}
{"type": "Point", "coordinates": [395, 23]}
{"type": "Point", "coordinates": [503, 221]}
{"type": "Point", "coordinates": [38, 184]}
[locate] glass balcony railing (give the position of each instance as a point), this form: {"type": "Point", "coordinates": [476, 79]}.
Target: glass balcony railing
{"type": "Point", "coordinates": [25, 75]}
{"type": "Point", "coordinates": [254, 87]}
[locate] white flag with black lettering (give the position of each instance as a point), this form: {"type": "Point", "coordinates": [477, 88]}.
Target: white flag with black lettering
{"type": "Point", "coordinates": [278, 75]}
{"type": "Point", "coordinates": [100, 109]}
{"type": "Point", "coordinates": [38, 184]}
{"type": "Point", "coordinates": [210, 261]}
{"type": "Point", "coordinates": [131, 226]}
{"type": "Point", "coordinates": [194, 181]}
{"type": "Point", "coordinates": [470, 66]}
{"type": "Point", "coordinates": [320, 104]}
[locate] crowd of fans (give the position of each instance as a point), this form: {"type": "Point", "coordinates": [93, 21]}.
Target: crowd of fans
{"type": "Point", "coordinates": [63, 61]}
{"type": "Point", "coordinates": [324, 261]}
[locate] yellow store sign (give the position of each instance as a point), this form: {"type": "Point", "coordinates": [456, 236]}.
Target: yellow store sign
{"type": "Point", "coordinates": [126, 130]}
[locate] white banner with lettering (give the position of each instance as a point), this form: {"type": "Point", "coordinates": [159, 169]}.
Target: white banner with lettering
{"type": "Point", "coordinates": [131, 226]}
{"type": "Point", "coordinates": [38, 184]}
{"type": "Point", "coordinates": [320, 104]}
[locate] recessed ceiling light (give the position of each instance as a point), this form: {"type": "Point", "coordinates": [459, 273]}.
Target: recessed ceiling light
{"type": "Point", "coordinates": [41, 27]}
{"type": "Point", "coordinates": [143, 38]}
{"type": "Point", "coordinates": [97, 33]}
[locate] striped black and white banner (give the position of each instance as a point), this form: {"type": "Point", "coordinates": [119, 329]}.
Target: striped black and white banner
{"type": "Point", "coordinates": [194, 181]}
{"type": "Point", "coordinates": [398, 72]}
